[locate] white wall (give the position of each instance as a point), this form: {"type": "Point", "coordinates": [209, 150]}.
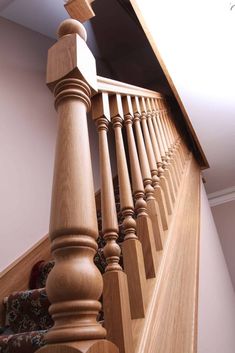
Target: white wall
{"type": "Point", "coordinates": [224, 216]}
{"type": "Point", "coordinates": [216, 315]}
{"type": "Point", "coordinates": [28, 126]}
{"type": "Point", "coordinates": [27, 138]}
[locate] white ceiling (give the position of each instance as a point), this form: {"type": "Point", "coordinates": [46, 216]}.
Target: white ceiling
{"type": "Point", "coordinates": [198, 50]}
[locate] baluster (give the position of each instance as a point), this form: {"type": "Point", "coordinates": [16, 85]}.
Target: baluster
{"type": "Point", "coordinates": [170, 161]}
{"type": "Point", "coordinates": [169, 173]}
{"type": "Point", "coordinates": [162, 166]}
{"type": "Point", "coordinates": [152, 161]}
{"type": "Point", "coordinates": [144, 227]}
{"type": "Point", "coordinates": [157, 187]}
{"type": "Point", "coordinates": [74, 286]}
{"type": "Point", "coordinates": [174, 144]}
{"type": "Point", "coordinates": [182, 146]}
{"type": "Point", "coordinates": [131, 247]}
{"type": "Point", "coordinates": [117, 312]}
{"type": "Point", "coordinates": [175, 170]}
{"type": "Point", "coordinates": [152, 205]}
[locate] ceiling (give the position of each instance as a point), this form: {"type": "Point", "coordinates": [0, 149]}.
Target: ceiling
{"type": "Point", "coordinates": [124, 54]}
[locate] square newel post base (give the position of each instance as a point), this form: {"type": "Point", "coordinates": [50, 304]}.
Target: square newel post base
{"type": "Point", "coordinates": [134, 268]}
{"type": "Point", "coordinates": [117, 313]}
{"type": "Point", "coordinates": [90, 346]}
{"type": "Point", "coordinates": [145, 234]}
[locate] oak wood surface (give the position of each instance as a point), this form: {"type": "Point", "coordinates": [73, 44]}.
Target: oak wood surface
{"type": "Point", "coordinates": [73, 230]}
{"type": "Point", "coordinates": [116, 302]}
{"type": "Point", "coordinates": [132, 249]}
{"type": "Point", "coordinates": [171, 319]}
{"type": "Point", "coordinates": [101, 346]}
{"type": "Point", "coordinates": [144, 227]}
{"type": "Point", "coordinates": [111, 86]}
{"type": "Point", "coordinates": [80, 10]}
{"type": "Point", "coordinates": [152, 205]}
{"type": "Point", "coordinates": [117, 311]}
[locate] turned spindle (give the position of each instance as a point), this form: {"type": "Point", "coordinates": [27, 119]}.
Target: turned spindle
{"type": "Point", "coordinates": [74, 285]}
{"type": "Point", "coordinates": [160, 196]}
{"type": "Point", "coordinates": [116, 298]}
{"type": "Point", "coordinates": [166, 165]}
{"type": "Point", "coordinates": [152, 205]}
{"type": "Point", "coordinates": [163, 172]}
{"type": "Point", "coordinates": [131, 247]}
{"type": "Point", "coordinates": [173, 185]}
{"type": "Point", "coordinates": [178, 142]}
{"type": "Point", "coordinates": [171, 160]}
{"type": "Point", "coordinates": [144, 226]}
{"type": "Point", "coordinates": [174, 147]}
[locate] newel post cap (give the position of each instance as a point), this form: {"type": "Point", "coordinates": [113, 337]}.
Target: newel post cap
{"type": "Point", "coordinates": [70, 57]}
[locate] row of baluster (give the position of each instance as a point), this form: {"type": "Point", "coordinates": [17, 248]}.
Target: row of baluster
{"type": "Point", "coordinates": [149, 169]}
{"type": "Point", "coordinates": [147, 189]}
{"type": "Point", "coordinates": [156, 155]}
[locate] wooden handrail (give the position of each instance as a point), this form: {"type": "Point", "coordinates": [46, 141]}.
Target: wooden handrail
{"type": "Point", "coordinates": [124, 89]}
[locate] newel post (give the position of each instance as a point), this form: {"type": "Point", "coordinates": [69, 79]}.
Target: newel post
{"type": "Point", "coordinates": [75, 284]}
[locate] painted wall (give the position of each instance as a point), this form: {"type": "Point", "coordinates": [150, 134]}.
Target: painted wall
{"type": "Point", "coordinates": [27, 135]}
{"type": "Point", "coordinates": [28, 126]}
{"type": "Point", "coordinates": [224, 216]}
{"type": "Point", "coordinates": [216, 296]}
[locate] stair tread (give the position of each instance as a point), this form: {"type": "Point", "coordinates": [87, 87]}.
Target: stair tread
{"type": "Point", "coordinates": [27, 342]}
{"type": "Point", "coordinates": [27, 317]}
{"type": "Point", "coordinates": [28, 311]}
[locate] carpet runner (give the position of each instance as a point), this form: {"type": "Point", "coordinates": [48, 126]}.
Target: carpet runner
{"type": "Point", "coordinates": [27, 317]}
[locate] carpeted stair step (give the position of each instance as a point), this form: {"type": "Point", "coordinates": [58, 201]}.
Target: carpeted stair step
{"type": "Point", "coordinates": [27, 317]}
{"type": "Point", "coordinates": [26, 342]}
{"type": "Point", "coordinates": [28, 311]}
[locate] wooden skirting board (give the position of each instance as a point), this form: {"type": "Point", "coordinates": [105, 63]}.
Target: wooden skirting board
{"type": "Point", "coordinates": [16, 276]}
{"type": "Point", "coordinates": [170, 325]}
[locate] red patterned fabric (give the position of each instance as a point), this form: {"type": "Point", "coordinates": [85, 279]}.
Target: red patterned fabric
{"type": "Point", "coordinates": [27, 342]}
{"type": "Point", "coordinates": [28, 311]}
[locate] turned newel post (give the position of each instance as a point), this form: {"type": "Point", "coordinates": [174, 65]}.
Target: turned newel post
{"type": "Point", "coordinates": [75, 285]}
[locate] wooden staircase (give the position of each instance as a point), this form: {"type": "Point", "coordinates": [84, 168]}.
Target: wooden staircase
{"type": "Point", "coordinates": [150, 305]}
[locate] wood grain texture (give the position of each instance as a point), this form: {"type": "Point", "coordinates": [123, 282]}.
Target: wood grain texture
{"type": "Point", "coordinates": [171, 319]}
{"type": "Point", "coordinates": [115, 295]}
{"type": "Point", "coordinates": [117, 311]}
{"type": "Point", "coordinates": [111, 86]}
{"type": "Point", "coordinates": [16, 276]}
{"type": "Point", "coordinates": [101, 346]}
{"type": "Point", "coordinates": [132, 250]}
{"type": "Point", "coordinates": [80, 10]}
{"type": "Point", "coordinates": [144, 227]}
{"type": "Point", "coordinates": [73, 221]}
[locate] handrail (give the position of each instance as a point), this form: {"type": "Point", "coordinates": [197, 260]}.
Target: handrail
{"type": "Point", "coordinates": [107, 85]}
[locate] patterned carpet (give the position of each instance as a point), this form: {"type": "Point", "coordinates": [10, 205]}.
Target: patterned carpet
{"type": "Point", "coordinates": [27, 317]}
